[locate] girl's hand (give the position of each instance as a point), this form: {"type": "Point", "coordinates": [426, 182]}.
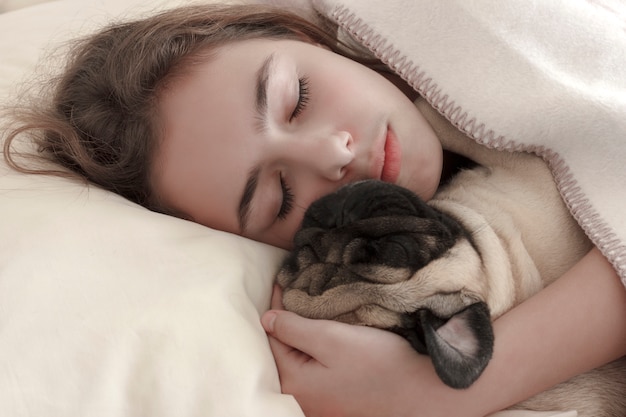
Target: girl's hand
{"type": "Point", "coordinates": [336, 369]}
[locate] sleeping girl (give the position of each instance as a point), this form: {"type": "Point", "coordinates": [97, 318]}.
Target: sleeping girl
{"type": "Point", "coordinates": [237, 118]}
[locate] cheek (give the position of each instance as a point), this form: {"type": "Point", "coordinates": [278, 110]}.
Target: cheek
{"type": "Point", "coordinates": [343, 82]}
{"type": "Point", "coordinates": [281, 233]}
{"type": "Point", "coordinates": [281, 237]}
{"type": "Point", "coordinates": [285, 231]}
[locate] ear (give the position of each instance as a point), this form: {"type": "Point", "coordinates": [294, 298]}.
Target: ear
{"type": "Point", "coordinates": [461, 346]}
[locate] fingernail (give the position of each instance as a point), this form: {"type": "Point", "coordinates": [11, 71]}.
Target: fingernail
{"type": "Point", "coordinates": [268, 321]}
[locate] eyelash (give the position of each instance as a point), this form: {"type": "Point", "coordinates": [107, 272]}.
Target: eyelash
{"type": "Point", "coordinates": [303, 97]}
{"type": "Point", "coordinates": [303, 100]}
{"type": "Point", "coordinates": [287, 203]}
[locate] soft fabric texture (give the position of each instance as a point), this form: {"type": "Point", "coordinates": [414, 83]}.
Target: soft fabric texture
{"type": "Point", "coordinates": [540, 76]}
{"type": "Point", "coordinates": [8, 5]}
{"type": "Point", "coordinates": [109, 309]}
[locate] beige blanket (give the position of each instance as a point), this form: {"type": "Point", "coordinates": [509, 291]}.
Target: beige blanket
{"type": "Point", "coordinates": [540, 76]}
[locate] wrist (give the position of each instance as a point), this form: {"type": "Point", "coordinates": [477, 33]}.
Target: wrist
{"type": "Point", "coordinates": [444, 400]}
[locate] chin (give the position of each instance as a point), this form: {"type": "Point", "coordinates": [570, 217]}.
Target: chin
{"type": "Point", "coordinates": [423, 192]}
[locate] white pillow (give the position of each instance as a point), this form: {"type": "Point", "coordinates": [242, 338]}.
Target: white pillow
{"type": "Point", "coordinates": [108, 309]}
{"type": "Point", "coordinates": [7, 5]}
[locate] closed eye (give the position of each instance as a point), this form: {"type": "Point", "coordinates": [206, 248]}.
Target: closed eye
{"type": "Point", "coordinates": [303, 97]}
{"type": "Point", "coordinates": [288, 197]}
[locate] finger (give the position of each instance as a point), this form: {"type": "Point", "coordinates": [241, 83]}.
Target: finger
{"type": "Point", "coordinates": [294, 367]}
{"type": "Point", "coordinates": [289, 360]}
{"type": "Point", "coordinates": [287, 357]}
{"type": "Point", "coordinates": [316, 338]}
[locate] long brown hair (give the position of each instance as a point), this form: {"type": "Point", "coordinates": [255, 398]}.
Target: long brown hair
{"type": "Point", "coordinates": [101, 121]}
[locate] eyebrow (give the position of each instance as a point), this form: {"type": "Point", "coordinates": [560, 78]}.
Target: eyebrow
{"type": "Point", "coordinates": [262, 80]}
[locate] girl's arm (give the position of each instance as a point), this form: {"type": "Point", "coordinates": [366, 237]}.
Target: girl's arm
{"type": "Point", "coordinates": [334, 369]}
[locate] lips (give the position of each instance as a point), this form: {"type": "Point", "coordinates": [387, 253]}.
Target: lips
{"type": "Point", "coordinates": [392, 160]}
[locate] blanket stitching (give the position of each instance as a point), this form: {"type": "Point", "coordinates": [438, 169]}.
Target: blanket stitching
{"type": "Point", "coordinates": [601, 234]}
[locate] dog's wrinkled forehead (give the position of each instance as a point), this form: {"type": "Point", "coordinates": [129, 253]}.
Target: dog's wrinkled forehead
{"type": "Point", "coordinates": [362, 200]}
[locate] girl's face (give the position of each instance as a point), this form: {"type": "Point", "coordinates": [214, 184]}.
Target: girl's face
{"type": "Point", "coordinates": [263, 128]}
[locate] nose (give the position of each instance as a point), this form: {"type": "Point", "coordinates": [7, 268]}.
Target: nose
{"type": "Point", "coordinates": [328, 154]}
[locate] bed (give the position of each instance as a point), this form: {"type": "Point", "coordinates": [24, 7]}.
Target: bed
{"type": "Point", "coordinates": [109, 309]}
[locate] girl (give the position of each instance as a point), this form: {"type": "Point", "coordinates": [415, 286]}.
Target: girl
{"type": "Point", "coordinates": [238, 117]}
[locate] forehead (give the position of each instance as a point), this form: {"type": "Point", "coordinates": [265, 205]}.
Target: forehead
{"type": "Point", "coordinates": [206, 114]}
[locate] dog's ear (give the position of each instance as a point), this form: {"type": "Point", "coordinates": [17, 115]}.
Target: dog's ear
{"type": "Point", "coordinates": [461, 346]}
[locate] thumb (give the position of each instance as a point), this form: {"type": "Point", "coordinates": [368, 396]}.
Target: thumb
{"type": "Point", "coordinates": [298, 332]}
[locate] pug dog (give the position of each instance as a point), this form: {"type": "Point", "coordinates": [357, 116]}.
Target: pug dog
{"type": "Point", "coordinates": [439, 272]}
